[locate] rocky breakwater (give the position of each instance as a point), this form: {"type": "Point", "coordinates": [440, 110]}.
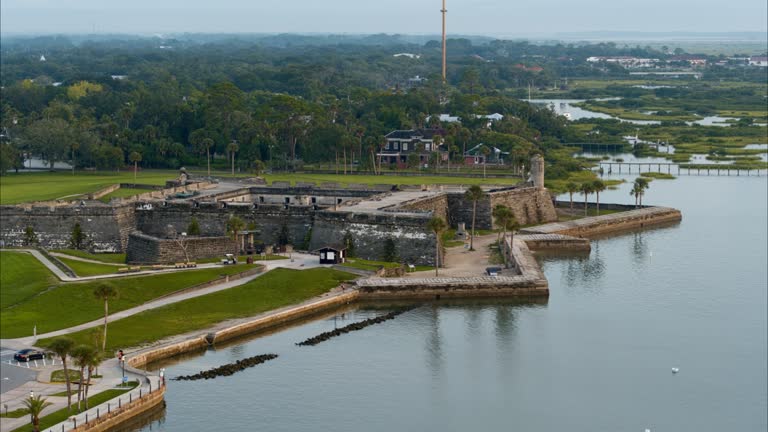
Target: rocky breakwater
{"type": "Point", "coordinates": [229, 368]}
{"type": "Point", "coordinates": [322, 337]}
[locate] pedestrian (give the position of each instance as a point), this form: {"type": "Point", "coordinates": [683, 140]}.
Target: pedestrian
{"type": "Point", "coordinates": [120, 355]}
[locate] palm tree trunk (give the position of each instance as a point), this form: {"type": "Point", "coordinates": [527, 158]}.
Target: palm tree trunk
{"type": "Point", "coordinates": [233, 164]}
{"type": "Point", "coordinates": [135, 169]}
{"type": "Point", "coordinates": [344, 149]}
{"type": "Point", "coordinates": [437, 251]}
{"type": "Point", "coordinates": [87, 384]}
{"type": "Point", "coordinates": [106, 314]}
{"type": "Point", "coordinates": [208, 157]}
{"type": "Point", "coordinates": [586, 195]}
{"type": "Point", "coordinates": [571, 194]}
{"type": "Point", "coordinates": [597, 202]}
{"type": "Point", "coordinates": [69, 384]}
{"type": "Point", "coordinates": [472, 239]}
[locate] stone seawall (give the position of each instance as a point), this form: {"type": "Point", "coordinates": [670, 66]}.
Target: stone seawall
{"type": "Point", "coordinates": [264, 321]}
{"type": "Point", "coordinates": [610, 223]}
{"type": "Point", "coordinates": [112, 419]}
{"type": "Point", "coordinates": [529, 205]}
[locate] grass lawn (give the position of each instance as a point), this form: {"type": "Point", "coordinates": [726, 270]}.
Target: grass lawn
{"type": "Point", "coordinates": [18, 412]}
{"type": "Point", "coordinates": [123, 193]}
{"type": "Point", "coordinates": [278, 288]}
{"type": "Point", "coordinates": [63, 414]}
{"type": "Point", "coordinates": [111, 258]}
{"type": "Point", "coordinates": [388, 179]}
{"type": "Point", "coordinates": [22, 276]}
{"type": "Point", "coordinates": [58, 376]}
{"type": "Point", "coordinates": [88, 269]}
{"type": "Point", "coordinates": [71, 304]}
{"type": "Point", "coordinates": [42, 186]}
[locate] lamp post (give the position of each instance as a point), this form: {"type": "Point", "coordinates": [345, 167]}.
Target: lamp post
{"type": "Point", "coordinates": [31, 415]}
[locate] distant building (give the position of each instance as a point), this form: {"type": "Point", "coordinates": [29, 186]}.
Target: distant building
{"type": "Point", "coordinates": [119, 77]}
{"type": "Point", "coordinates": [332, 255]}
{"type": "Point", "coordinates": [409, 55]}
{"type": "Point", "coordinates": [402, 143]}
{"type": "Point", "coordinates": [693, 61]}
{"type": "Point", "coordinates": [758, 61]}
{"type": "Point", "coordinates": [476, 155]}
{"type": "Point", "coordinates": [628, 62]}
{"type": "Point", "coordinates": [42, 58]}
{"type": "Point", "coordinates": [446, 118]}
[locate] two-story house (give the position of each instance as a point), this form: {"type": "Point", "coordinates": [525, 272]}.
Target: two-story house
{"type": "Point", "coordinates": [401, 143]}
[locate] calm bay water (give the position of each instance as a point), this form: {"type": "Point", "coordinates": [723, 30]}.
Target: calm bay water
{"type": "Point", "coordinates": [597, 356]}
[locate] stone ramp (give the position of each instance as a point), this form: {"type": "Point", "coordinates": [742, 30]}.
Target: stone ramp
{"type": "Point", "coordinates": [631, 219]}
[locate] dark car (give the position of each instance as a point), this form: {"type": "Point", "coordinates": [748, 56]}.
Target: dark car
{"type": "Point", "coordinates": [28, 354]}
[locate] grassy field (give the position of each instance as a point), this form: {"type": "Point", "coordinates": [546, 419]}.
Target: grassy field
{"type": "Point", "coordinates": [112, 258]}
{"type": "Point", "coordinates": [42, 186]}
{"type": "Point", "coordinates": [22, 277]}
{"type": "Point", "coordinates": [63, 414]}
{"type": "Point", "coordinates": [278, 288]}
{"type": "Point", "coordinates": [71, 304]}
{"type": "Point", "coordinates": [83, 269]}
{"type": "Point", "coordinates": [385, 179]}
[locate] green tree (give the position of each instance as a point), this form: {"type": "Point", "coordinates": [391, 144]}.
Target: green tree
{"type": "Point", "coordinates": [78, 238]}
{"type": "Point", "coordinates": [234, 226]}
{"type": "Point", "coordinates": [30, 237]}
{"type": "Point", "coordinates": [598, 186]}
{"type": "Point", "coordinates": [233, 148]}
{"type": "Point", "coordinates": [83, 356]}
{"type": "Point", "coordinates": [571, 188]}
{"type": "Point", "coordinates": [586, 189]}
{"type": "Point", "coordinates": [135, 157]}
{"type": "Point", "coordinates": [62, 346]}
{"type": "Point", "coordinates": [638, 190]}
{"type": "Point", "coordinates": [501, 214]}
{"type": "Point", "coordinates": [437, 225]}
{"type": "Point", "coordinates": [194, 227]}
{"type": "Point", "coordinates": [34, 406]}
{"type": "Point", "coordinates": [104, 292]}
{"type": "Point", "coordinates": [474, 193]}
{"type": "Point", "coordinates": [390, 250]}
{"type": "Point", "coordinates": [50, 139]}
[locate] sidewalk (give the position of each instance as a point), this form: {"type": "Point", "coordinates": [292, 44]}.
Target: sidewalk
{"type": "Point", "coordinates": [111, 377]}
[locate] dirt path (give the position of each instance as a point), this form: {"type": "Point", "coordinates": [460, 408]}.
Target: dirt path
{"type": "Point", "coordinates": [460, 262]}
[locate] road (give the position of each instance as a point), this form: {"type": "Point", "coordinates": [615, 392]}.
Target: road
{"type": "Point", "coordinates": [12, 376]}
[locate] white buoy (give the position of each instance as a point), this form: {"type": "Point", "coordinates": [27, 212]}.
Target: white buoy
{"type": "Point", "coordinates": [675, 370]}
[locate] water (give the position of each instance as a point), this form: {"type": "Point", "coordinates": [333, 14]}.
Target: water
{"type": "Point", "coordinates": [597, 356]}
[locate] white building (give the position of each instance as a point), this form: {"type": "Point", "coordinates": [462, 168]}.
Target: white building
{"type": "Point", "coordinates": [758, 61]}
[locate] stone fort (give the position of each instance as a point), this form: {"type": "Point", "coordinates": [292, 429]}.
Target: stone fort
{"type": "Point", "coordinates": [310, 215]}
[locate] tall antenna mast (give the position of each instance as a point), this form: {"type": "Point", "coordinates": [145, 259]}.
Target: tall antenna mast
{"type": "Point", "coordinates": [443, 10]}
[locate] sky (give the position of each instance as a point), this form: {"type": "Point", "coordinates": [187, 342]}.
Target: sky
{"type": "Point", "coordinates": [476, 17]}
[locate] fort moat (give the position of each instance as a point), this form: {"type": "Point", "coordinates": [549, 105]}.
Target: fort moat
{"type": "Point", "coordinates": [597, 352]}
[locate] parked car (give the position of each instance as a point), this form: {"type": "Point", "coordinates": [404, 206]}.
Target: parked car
{"type": "Point", "coordinates": [28, 354]}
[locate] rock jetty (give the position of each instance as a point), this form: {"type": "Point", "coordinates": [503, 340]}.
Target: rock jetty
{"type": "Point", "coordinates": [322, 337]}
{"type": "Point", "coordinates": [228, 369]}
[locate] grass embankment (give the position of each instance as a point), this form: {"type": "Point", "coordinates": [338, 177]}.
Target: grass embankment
{"type": "Point", "coordinates": [58, 376]}
{"type": "Point", "coordinates": [22, 277]}
{"type": "Point", "coordinates": [389, 179]}
{"type": "Point", "coordinates": [70, 304]}
{"type": "Point", "coordinates": [370, 265]}
{"type": "Point", "coordinates": [63, 414]}
{"type": "Point", "coordinates": [43, 186]}
{"type": "Point", "coordinates": [82, 268]}
{"type": "Point", "coordinates": [110, 258]}
{"type": "Point", "coordinates": [278, 288]}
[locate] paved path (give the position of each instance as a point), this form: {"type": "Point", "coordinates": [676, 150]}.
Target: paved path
{"type": "Point", "coordinates": [300, 261]}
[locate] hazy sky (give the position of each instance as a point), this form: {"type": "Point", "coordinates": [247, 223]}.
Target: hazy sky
{"type": "Point", "coordinates": [489, 17]}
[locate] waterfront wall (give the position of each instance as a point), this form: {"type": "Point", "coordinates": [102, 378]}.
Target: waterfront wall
{"type": "Point", "coordinates": [137, 407]}
{"type": "Point", "coordinates": [611, 223]}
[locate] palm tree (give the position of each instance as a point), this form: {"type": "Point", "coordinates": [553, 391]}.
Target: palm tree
{"type": "Point", "coordinates": [232, 148]}
{"type": "Point", "coordinates": [83, 356]}
{"type": "Point", "coordinates": [501, 215]}
{"type": "Point", "coordinates": [207, 143]}
{"type": "Point", "coordinates": [474, 193]}
{"type": "Point", "coordinates": [598, 186]}
{"type": "Point", "coordinates": [635, 192]}
{"type": "Point", "coordinates": [135, 157]}
{"type": "Point", "coordinates": [62, 346]}
{"type": "Point", "coordinates": [234, 226]}
{"type": "Point", "coordinates": [104, 292]}
{"type": "Point", "coordinates": [92, 363]}
{"type": "Point", "coordinates": [571, 188]}
{"type": "Point", "coordinates": [34, 406]}
{"type": "Point", "coordinates": [437, 225]}
{"type": "Point", "coordinates": [641, 183]}
{"type": "Point", "coordinates": [586, 189]}
{"type": "Point", "coordinates": [511, 225]}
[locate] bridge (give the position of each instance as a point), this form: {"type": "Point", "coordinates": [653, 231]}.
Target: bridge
{"type": "Point", "coordinates": [674, 168]}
